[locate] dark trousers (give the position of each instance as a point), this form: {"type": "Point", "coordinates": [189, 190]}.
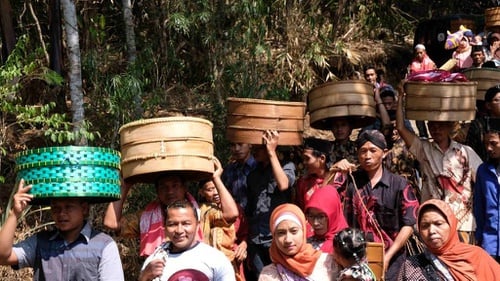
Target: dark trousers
{"type": "Point", "coordinates": [258, 257]}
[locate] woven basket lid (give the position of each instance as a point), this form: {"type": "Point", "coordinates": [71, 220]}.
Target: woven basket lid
{"type": "Point", "coordinates": [92, 173]}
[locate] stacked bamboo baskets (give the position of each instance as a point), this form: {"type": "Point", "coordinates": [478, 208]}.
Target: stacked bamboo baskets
{"type": "Point", "coordinates": [153, 147]}
{"type": "Point", "coordinates": [440, 101]}
{"type": "Point", "coordinates": [485, 78]}
{"type": "Point", "coordinates": [247, 119]}
{"type": "Point", "coordinates": [352, 99]}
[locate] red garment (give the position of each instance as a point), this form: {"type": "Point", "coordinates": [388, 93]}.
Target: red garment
{"type": "Point", "coordinates": [465, 262]}
{"type": "Point", "coordinates": [425, 64]}
{"type": "Point", "coordinates": [306, 186]}
{"type": "Point", "coordinates": [152, 226]}
{"type": "Point", "coordinates": [327, 200]}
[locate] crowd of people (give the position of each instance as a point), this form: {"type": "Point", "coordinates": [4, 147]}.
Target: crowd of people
{"type": "Point", "coordinates": [255, 219]}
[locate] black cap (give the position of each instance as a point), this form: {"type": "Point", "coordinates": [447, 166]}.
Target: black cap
{"type": "Point", "coordinates": [320, 145]}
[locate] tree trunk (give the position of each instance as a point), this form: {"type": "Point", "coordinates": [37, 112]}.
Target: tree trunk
{"type": "Point", "coordinates": [55, 52]}
{"type": "Point", "coordinates": [75, 69]}
{"type": "Point", "coordinates": [129, 31]}
{"type": "Point", "coordinates": [128, 18]}
{"type": "Point", "coordinates": [7, 27]}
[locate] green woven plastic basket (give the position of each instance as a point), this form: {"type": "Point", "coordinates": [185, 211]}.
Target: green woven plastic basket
{"type": "Point", "coordinates": [92, 173]}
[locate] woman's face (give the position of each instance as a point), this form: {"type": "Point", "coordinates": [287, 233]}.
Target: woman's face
{"type": "Point", "coordinates": [318, 220]}
{"type": "Point", "coordinates": [289, 237]}
{"type": "Point", "coordinates": [434, 229]}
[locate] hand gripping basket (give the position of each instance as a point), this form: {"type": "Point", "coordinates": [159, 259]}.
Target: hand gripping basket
{"type": "Point", "coordinates": [70, 171]}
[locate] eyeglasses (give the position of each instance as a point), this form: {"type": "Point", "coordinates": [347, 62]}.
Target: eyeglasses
{"type": "Point", "coordinates": [319, 218]}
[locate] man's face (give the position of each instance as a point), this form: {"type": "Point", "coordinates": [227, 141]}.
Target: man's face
{"type": "Point", "coordinates": [370, 157]}
{"type": "Point", "coordinates": [478, 58]}
{"type": "Point", "coordinates": [493, 106]}
{"type": "Point", "coordinates": [68, 214]}
{"type": "Point", "coordinates": [312, 163]}
{"type": "Point", "coordinates": [388, 102]}
{"type": "Point", "coordinates": [492, 143]}
{"type": "Point", "coordinates": [180, 227]}
{"type": "Point", "coordinates": [440, 130]}
{"type": "Point", "coordinates": [170, 189]}
{"type": "Point", "coordinates": [341, 129]}
{"type": "Point", "coordinates": [371, 75]}
{"type": "Point", "coordinates": [240, 151]}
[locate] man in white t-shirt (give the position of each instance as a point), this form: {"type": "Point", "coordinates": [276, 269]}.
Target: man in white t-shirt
{"type": "Point", "coordinates": [183, 257]}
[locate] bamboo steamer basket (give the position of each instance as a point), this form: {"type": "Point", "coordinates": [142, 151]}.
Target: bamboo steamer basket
{"type": "Point", "coordinates": [247, 119]}
{"type": "Point", "coordinates": [492, 17]}
{"type": "Point", "coordinates": [92, 173]}
{"type": "Point", "coordinates": [440, 101]}
{"type": "Point", "coordinates": [485, 78]}
{"type": "Point", "coordinates": [352, 99]}
{"type": "Point", "coordinates": [179, 145]}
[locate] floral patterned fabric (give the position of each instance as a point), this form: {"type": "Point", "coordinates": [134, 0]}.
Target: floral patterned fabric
{"type": "Point", "coordinates": [447, 175]}
{"type": "Point", "coordinates": [359, 272]}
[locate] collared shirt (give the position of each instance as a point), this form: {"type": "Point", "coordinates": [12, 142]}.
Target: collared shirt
{"type": "Point", "coordinates": [391, 201]}
{"type": "Point", "coordinates": [487, 208]}
{"type": "Point", "coordinates": [458, 163]}
{"type": "Point", "coordinates": [92, 256]}
{"type": "Point", "coordinates": [234, 178]}
{"type": "Point", "coordinates": [263, 197]}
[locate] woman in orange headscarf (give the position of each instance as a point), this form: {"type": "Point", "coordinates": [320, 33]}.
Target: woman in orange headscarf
{"type": "Point", "coordinates": [446, 258]}
{"type": "Point", "coordinates": [292, 258]}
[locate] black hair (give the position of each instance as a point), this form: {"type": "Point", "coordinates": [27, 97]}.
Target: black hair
{"type": "Point", "coordinates": [387, 93]}
{"type": "Point", "coordinates": [369, 67]}
{"type": "Point", "coordinates": [181, 204]}
{"type": "Point", "coordinates": [168, 175]}
{"type": "Point", "coordinates": [491, 93]}
{"type": "Point", "coordinates": [477, 48]}
{"type": "Point", "coordinates": [350, 243]}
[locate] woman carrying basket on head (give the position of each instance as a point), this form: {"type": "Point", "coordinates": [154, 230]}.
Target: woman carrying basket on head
{"type": "Point", "coordinates": [380, 203]}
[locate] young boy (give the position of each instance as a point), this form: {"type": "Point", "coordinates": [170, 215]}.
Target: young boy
{"type": "Point", "coordinates": [73, 251]}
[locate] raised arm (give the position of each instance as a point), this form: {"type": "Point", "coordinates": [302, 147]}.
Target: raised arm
{"type": "Point", "coordinates": [228, 205]}
{"type": "Point", "coordinates": [114, 211]}
{"type": "Point", "coordinates": [19, 204]}
{"type": "Point", "coordinates": [384, 116]}
{"type": "Point", "coordinates": [271, 138]}
{"type": "Point", "coordinates": [407, 135]}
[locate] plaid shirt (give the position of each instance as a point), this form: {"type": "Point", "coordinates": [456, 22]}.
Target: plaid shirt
{"type": "Point", "coordinates": [235, 179]}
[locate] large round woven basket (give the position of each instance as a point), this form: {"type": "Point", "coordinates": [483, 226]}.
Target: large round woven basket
{"type": "Point", "coordinates": [352, 99]}
{"type": "Point", "coordinates": [440, 101]}
{"type": "Point", "coordinates": [180, 145]}
{"type": "Point", "coordinates": [492, 17]}
{"type": "Point", "coordinates": [70, 171]}
{"type": "Point", "coordinates": [485, 78]}
{"type": "Point", "coordinates": [247, 119]}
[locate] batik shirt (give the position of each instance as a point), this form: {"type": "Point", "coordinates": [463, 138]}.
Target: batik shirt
{"type": "Point", "coordinates": [344, 151]}
{"type": "Point", "coordinates": [235, 179]}
{"type": "Point", "coordinates": [447, 175]}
